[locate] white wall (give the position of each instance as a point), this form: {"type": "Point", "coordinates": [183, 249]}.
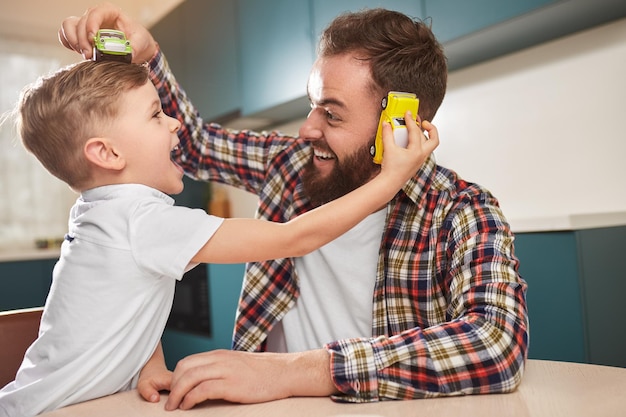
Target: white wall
{"type": "Point", "coordinates": [543, 129]}
{"type": "Point", "coordinates": [33, 203]}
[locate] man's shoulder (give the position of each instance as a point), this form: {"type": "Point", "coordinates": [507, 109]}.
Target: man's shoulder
{"type": "Point", "coordinates": [449, 181]}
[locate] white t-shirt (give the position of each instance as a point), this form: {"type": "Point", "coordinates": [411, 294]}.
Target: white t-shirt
{"type": "Point", "coordinates": [336, 291]}
{"type": "Point", "coordinates": [110, 298]}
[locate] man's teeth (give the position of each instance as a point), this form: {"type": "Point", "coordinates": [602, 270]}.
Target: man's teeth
{"type": "Point", "coordinates": [322, 154]}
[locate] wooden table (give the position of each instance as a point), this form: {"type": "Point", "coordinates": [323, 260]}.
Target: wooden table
{"type": "Point", "coordinates": [548, 389]}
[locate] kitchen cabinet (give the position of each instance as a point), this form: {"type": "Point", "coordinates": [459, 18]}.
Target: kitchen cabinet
{"type": "Point", "coordinates": [600, 253]}
{"type": "Point", "coordinates": [549, 264]}
{"type": "Point", "coordinates": [278, 47]}
{"type": "Point", "coordinates": [456, 18]}
{"type": "Point", "coordinates": [478, 30]}
{"type": "Point", "coordinates": [200, 41]}
{"type": "Point", "coordinates": [576, 284]}
{"type": "Point", "coordinates": [25, 283]}
{"type": "Point", "coordinates": [277, 52]}
{"type": "Point", "coordinates": [323, 12]}
{"type": "Point", "coordinates": [252, 58]}
{"type": "Point", "coordinates": [224, 287]}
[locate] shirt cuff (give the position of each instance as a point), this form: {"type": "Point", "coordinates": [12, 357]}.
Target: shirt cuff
{"type": "Point", "coordinates": [158, 67]}
{"type": "Point", "coordinates": [353, 370]}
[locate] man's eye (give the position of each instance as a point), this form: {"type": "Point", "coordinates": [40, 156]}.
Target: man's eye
{"type": "Point", "coordinates": [331, 116]}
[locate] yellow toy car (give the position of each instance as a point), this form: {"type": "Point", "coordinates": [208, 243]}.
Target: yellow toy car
{"type": "Point", "coordinates": [109, 44]}
{"type": "Point", "coordinates": [394, 107]}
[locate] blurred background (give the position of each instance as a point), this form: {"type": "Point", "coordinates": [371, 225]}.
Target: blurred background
{"type": "Point", "coordinates": [534, 112]}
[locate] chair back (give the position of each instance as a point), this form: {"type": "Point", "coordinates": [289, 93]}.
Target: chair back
{"type": "Point", "coordinates": [18, 329]}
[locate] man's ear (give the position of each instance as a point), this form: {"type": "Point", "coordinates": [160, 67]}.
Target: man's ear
{"type": "Point", "coordinates": [101, 152]}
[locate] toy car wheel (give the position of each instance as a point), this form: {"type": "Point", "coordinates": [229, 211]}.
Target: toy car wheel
{"type": "Point", "coordinates": [383, 103]}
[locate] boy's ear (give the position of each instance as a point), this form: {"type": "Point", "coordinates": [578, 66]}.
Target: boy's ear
{"type": "Point", "coordinates": [101, 152]}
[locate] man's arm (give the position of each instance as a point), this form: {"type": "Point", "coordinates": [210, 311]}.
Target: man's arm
{"type": "Point", "coordinates": [477, 343]}
{"type": "Point", "coordinates": [208, 151]}
{"type": "Point", "coordinates": [247, 377]}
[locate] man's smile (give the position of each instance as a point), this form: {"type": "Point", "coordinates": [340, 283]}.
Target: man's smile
{"type": "Point", "coordinates": [323, 155]}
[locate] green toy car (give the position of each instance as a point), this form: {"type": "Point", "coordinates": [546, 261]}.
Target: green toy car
{"type": "Point", "coordinates": [111, 45]}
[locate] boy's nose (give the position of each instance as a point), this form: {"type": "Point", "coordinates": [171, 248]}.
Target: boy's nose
{"type": "Point", "coordinates": [174, 124]}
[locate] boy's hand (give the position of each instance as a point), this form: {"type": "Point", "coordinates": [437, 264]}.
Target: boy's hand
{"type": "Point", "coordinates": [154, 377]}
{"type": "Point", "coordinates": [76, 33]}
{"type": "Point", "coordinates": [151, 383]}
{"type": "Point", "coordinates": [403, 162]}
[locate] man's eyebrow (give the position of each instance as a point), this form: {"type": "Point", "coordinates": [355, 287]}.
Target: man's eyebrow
{"type": "Point", "coordinates": [330, 102]}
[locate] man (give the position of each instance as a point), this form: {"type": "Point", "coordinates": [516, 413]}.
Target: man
{"type": "Point", "coordinates": [421, 299]}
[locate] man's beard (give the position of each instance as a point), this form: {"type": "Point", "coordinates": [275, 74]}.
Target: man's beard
{"type": "Point", "coordinates": [356, 170]}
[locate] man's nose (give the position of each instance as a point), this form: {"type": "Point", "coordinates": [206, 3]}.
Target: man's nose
{"type": "Point", "coordinates": [310, 129]}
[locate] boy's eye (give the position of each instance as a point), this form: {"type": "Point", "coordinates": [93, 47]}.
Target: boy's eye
{"type": "Point", "coordinates": [157, 113]}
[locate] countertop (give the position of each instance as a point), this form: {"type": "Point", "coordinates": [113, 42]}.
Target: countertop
{"type": "Point", "coordinates": [568, 222]}
{"type": "Point", "coordinates": [548, 389]}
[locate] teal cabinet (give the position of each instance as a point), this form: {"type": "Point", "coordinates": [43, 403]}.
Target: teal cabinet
{"type": "Point", "coordinates": [277, 52]}
{"type": "Point", "coordinates": [576, 284]}
{"type": "Point", "coordinates": [603, 287]}
{"type": "Point", "coordinates": [456, 18]}
{"type": "Point", "coordinates": [549, 264]}
{"type": "Point", "coordinates": [200, 41]}
{"type": "Point", "coordinates": [224, 288]}
{"type": "Point", "coordinates": [323, 12]}
{"type": "Point", "coordinates": [25, 284]}
{"type": "Point", "coordinates": [252, 58]}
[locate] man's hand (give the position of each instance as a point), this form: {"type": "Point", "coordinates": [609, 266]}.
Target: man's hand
{"type": "Point", "coordinates": [246, 377]}
{"type": "Point", "coordinates": [77, 33]}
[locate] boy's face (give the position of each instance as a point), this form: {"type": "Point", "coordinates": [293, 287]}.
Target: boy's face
{"type": "Point", "coordinates": [146, 137]}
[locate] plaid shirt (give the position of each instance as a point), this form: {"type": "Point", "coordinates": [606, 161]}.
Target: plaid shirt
{"type": "Point", "coordinates": [449, 308]}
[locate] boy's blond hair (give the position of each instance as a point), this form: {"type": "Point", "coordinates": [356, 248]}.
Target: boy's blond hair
{"type": "Point", "coordinates": [58, 113]}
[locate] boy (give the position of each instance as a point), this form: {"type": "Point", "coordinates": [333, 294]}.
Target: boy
{"type": "Point", "coordinates": [99, 127]}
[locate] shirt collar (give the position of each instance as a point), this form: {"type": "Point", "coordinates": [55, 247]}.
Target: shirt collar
{"type": "Point", "coordinates": [109, 192]}
{"type": "Point", "coordinates": [421, 181]}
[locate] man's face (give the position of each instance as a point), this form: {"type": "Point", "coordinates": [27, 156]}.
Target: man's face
{"type": "Point", "coordinates": [340, 127]}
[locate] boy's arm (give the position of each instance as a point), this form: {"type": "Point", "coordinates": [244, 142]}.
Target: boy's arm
{"type": "Point", "coordinates": [248, 240]}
